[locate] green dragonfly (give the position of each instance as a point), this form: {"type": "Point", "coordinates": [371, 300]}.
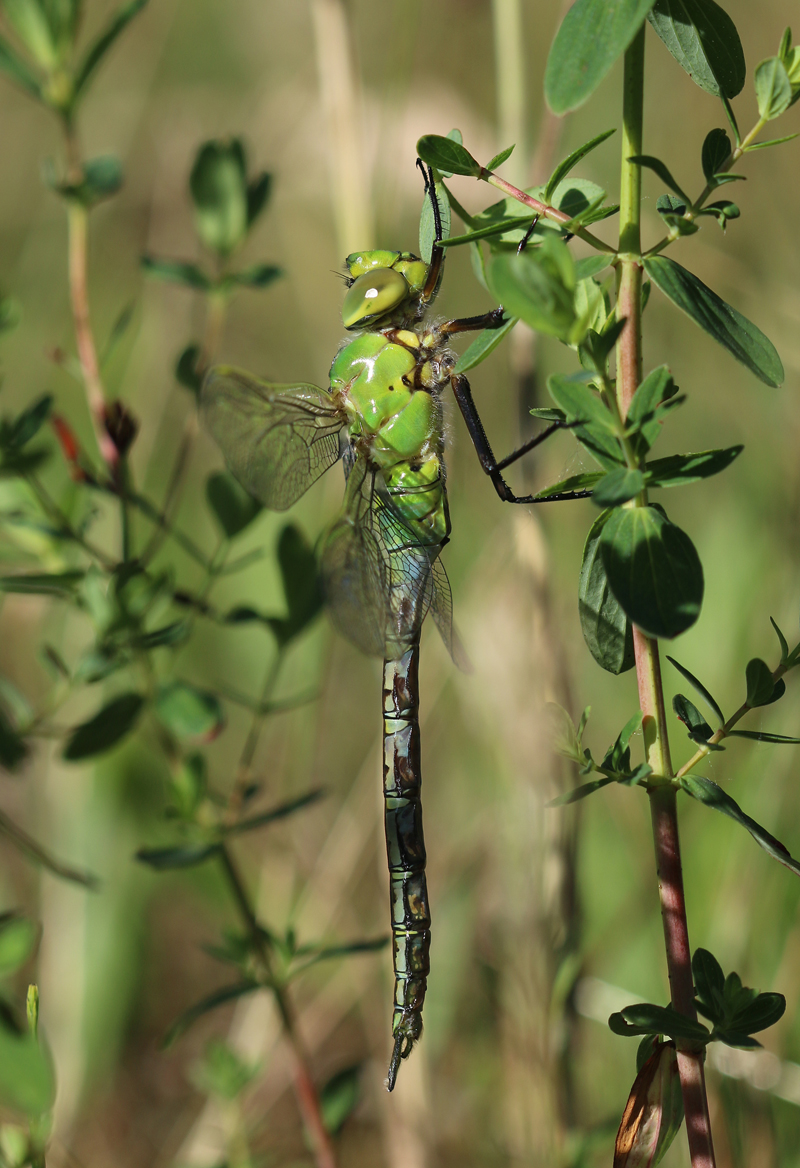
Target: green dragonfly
{"type": "Point", "coordinates": [379, 560]}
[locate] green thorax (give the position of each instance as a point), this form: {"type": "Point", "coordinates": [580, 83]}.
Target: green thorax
{"type": "Point", "coordinates": [387, 386]}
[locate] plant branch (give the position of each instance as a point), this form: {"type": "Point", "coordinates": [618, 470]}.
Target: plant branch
{"type": "Point", "coordinates": [663, 802]}
{"type": "Point", "coordinates": [305, 1089]}
{"type": "Point", "coordinates": [545, 210]}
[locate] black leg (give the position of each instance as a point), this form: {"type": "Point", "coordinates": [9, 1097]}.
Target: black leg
{"type": "Point", "coordinates": [470, 324]}
{"type": "Point", "coordinates": [493, 468]}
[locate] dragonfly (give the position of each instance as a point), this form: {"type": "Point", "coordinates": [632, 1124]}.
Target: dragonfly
{"type": "Point", "coordinates": [382, 416]}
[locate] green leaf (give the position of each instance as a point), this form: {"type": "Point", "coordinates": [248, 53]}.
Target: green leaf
{"type": "Point", "coordinates": [578, 482]}
{"type": "Point", "coordinates": [698, 685]}
{"type": "Point", "coordinates": [723, 211]}
{"type": "Point", "coordinates": [679, 469]}
{"type": "Point", "coordinates": [42, 583]}
{"type": "Point", "coordinates": [563, 168]}
{"type": "Point", "coordinates": [617, 487]}
{"type": "Point", "coordinates": [282, 811]}
{"type": "Point", "coordinates": [98, 49]}
{"type": "Point", "coordinates": [301, 585]}
{"type": "Point", "coordinates": [27, 424]}
{"type": "Point", "coordinates": [17, 70]}
{"type": "Point", "coordinates": [27, 1079]}
{"type": "Point", "coordinates": [658, 167]}
{"type": "Point", "coordinates": [688, 713]}
{"type": "Point", "coordinates": [578, 793]}
{"type": "Point", "coordinates": [485, 343]}
{"type": "Point", "coordinates": [257, 276]}
{"type": "Point", "coordinates": [591, 266]}
{"type": "Point", "coordinates": [258, 192]}
{"type": "Point", "coordinates": [760, 684]}
{"type": "Point", "coordinates": [30, 23]}
{"type": "Point", "coordinates": [219, 998]}
{"type": "Point", "coordinates": [233, 507]}
{"type": "Point", "coordinates": [773, 88]}
{"type": "Point", "coordinates": [188, 786]}
{"type": "Point", "coordinates": [176, 272]}
{"type": "Point", "coordinates": [593, 34]}
{"type": "Point", "coordinates": [703, 40]}
{"type": "Point", "coordinates": [716, 152]}
{"type": "Point", "coordinates": [189, 712]}
{"type": "Point", "coordinates": [186, 369]}
{"type": "Point", "coordinates": [118, 330]}
{"type": "Point", "coordinates": [218, 186]}
{"type": "Point", "coordinates": [591, 422]}
{"type": "Point", "coordinates": [653, 570]}
{"type": "Point", "coordinates": [764, 736]}
{"type": "Point", "coordinates": [107, 728]}
{"type": "Point", "coordinates": [339, 1098]}
{"type": "Point", "coordinates": [771, 142]}
{"type": "Point", "coordinates": [705, 791]}
{"type": "Point", "coordinates": [728, 327]}
{"type": "Point", "coordinates": [183, 856]}
{"type": "Point", "coordinates": [709, 982]}
{"type": "Point", "coordinates": [447, 155]}
{"type": "Point", "coordinates": [499, 159]}
{"type": "Point", "coordinates": [784, 644]}
{"type": "Point", "coordinates": [537, 286]}
{"type": "Point", "coordinates": [102, 178]}
{"type": "Point", "coordinates": [17, 939]}
{"type": "Point", "coordinates": [765, 1011]}
{"type": "Point", "coordinates": [222, 1072]}
{"type": "Point", "coordinates": [646, 1018]}
{"type": "Point", "coordinates": [648, 408]}
{"type": "Point", "coordinates": [606, 629]}
{"type": "Point", "coordinates": [618, 756]}
{"type": "Point", "coordinates": [13, 749]}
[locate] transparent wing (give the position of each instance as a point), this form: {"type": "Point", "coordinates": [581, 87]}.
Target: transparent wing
{"type": "Point", "coordinates": [277, 439]}
{"type": "Point", "coordinates": [379, 580]}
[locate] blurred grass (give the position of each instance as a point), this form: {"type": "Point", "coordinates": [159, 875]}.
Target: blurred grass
{"type": "Point", "coordinates": [115, 969]}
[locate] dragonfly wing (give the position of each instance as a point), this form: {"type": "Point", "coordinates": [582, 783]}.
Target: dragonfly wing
{"type": "Point", "coordinates": [277, 439]}
{"type": "Point", "coordinates": [378, 578]}
{"type": "Point", "coordinates": [442, 612]}
{"type": "Point", "coordinates": [355, 569]}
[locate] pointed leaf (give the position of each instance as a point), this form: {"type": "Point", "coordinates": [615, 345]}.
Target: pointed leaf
{"type": "Point", "coordinates": [656, 165]}
{"type": "Point", "coordinates": [258, 192]}
{"type": "Point", "coordinates": [709, 982]}
{"type": "Point", "coordinates": [537, 286]}
{"type": "Point", "coordinates": [15, 68]}
{"type": "Point", "coordinates": [653, 570]}
{"type": "Point", "coordinates": [569, 163]}
{"type": "Point", "coordinates": [42, 584]}
{"type": "Point", "coordinates": [729, 328]}
{"type": "Point", "coordinates": [500, 158]}
{"type": "Point", "coordinates": [680, 469]}
{"type": "Point", "coordinates": [703, 40]}
{"type": "Point", "coordinates": [593, 34]}
{"type": "Point", "coordinates": [106, 729]}
{"type": "Point", "coordinates": [234, 509]}
{"type": "Point", "coordinates": [701, 689]}
{"type": "Point", "coordinates": [606, 629]}
{"type": "Point", "coordinates": [645, 1018]}
{"type": "Point", "coordinates": [648, 407]}
{"type": "Point", "coordinates": [339, 1098]}
{"type": "Point", "coordinates": [301, 585]}
{"type": "Point", "coordinates": [484, 344]}
{"type": "Point", "coordinates": [716, 152]}
{"type": "Point", "coordinates": [784, 644]}
{"type": "Point", "coordinates": [280, 812]}
{"type": "Point", "coordinates": [122, 17]}
{"type": "Point", "coordinates": [763, 736]}
{"type": "Point", "coordinates": [617, 487]}
{"type": "Point", "coordinates": [578, 793]}
{"type": "Point", "coordinates": [713, 796]}
{"type": "Point", "coordinates": [590, 420]}
{"type": "Point", "coordinates": [184, 856]}
{"type": "Point", "coordinates": [773, 88]}
{"type": "Point", "coordinates": [765, 1011]}
{"type": "Point", "coordinates": [218, 998]}
{"type": "Point", "coordinates": [176, 272]}
{"type": "Point", "coordinates": [699, 729]}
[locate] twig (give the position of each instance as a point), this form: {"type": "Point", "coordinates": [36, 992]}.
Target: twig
{"type": "Point", "coordinates": [663, 800]}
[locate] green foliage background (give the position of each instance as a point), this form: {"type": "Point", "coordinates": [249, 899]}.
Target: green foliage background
{"type": "Point", "coordinates": [505, 1066]}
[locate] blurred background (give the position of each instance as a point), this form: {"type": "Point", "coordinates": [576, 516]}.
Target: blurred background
{"type": "Point", "coordinates": [543, 920]}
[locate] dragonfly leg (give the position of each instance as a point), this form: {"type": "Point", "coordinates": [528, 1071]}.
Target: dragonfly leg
{"type": "Point", "coordinates": [487, 320]}
{"type": "Point", "coordinates": [493, 468]}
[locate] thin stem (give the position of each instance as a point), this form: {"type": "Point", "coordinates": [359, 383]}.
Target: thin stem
{"type": "Point", "coordinates": [509, 51]}
{"type": "Point", "coordinates": [65, 528]}
{"type": "Point", "coordinates": [545, 210]}
{"type": "Point", "coordinates": [244, 769]}
{"type": "Point", "coordinates": [78, 224]}
{"type": "Point", "coordinates": [305, 1089]}
{"type": "Point", "coordinates": [663, 803]}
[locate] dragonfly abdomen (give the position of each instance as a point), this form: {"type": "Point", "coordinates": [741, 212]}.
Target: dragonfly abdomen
{"type": "Point", "coordinates": [405, 848]}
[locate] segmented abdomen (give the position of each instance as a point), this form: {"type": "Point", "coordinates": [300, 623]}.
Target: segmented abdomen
{"type": "Point", "coordinates": [405, 847]}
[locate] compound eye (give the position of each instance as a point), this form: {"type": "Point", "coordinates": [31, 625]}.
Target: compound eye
{"type": "Point", "coordinates": [372, 295]}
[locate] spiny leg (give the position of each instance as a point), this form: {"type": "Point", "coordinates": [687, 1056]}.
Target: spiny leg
{"type": "Point", "coordinates": [493, 468]}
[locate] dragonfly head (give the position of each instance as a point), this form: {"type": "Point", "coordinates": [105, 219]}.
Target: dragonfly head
{"type": "Point", "coordinates": [382, 282]}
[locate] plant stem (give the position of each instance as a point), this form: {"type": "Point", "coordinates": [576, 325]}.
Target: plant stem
{"type": "Point", "coordinates": [509, 46]}
{"type": "Point", "coordinates": [544, 209]}
{"type": "Point", "coordinates": [77, 225]}
{"type": "Point", "coordinates": [663, 801]}
{"type": "Point", "coordinates": [305, 1089]}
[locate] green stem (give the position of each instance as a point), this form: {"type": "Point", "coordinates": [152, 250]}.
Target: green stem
{"type": "Point", "coordinates": [545, 210]}
{"type": "Point", "coordinates": [244, 769]}
{"type": "Point", "coordinates": [509, 51]}
{"type": "Point", "coordinates": [663, 803]}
